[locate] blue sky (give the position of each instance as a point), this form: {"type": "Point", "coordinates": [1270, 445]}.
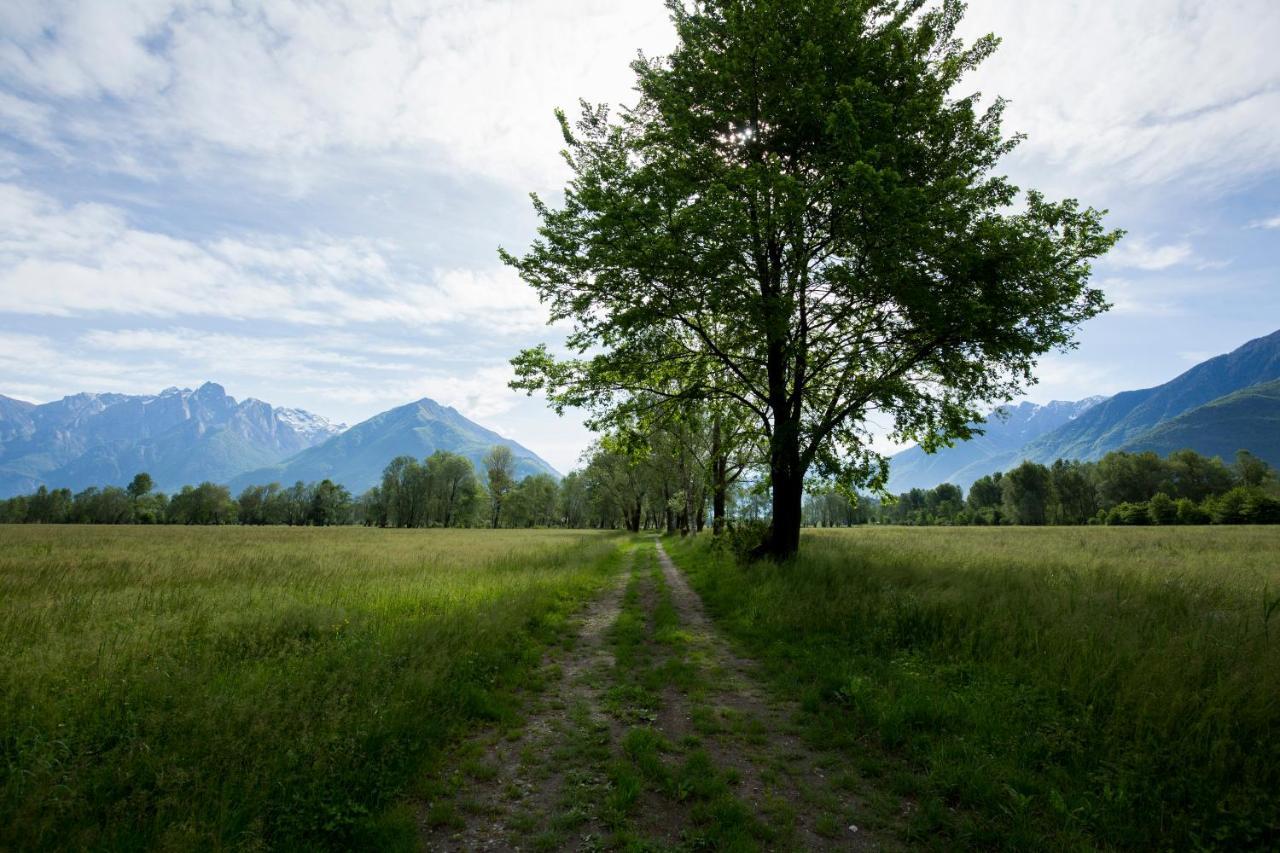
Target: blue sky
{"type": "Point", "coordinates": [303, 200]}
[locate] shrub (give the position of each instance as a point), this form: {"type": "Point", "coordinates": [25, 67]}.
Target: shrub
{"type": "Point", "coordinates": [1260, 508]}
{"type": "Point", "coordinates": [1229, 508]}
{"type": "Point", "coordinates": [1129, 514]}
{"type": "Point", "coordinates": [1162, 510]}
{"type": "Point", "coordinates": [1190, 512]}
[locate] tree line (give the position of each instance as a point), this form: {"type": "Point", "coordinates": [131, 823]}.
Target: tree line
{"type": "Point", "coordinates": [442, 490]}
{"type": "Point", "coordinates": [1119, 489]}
{"type": "Point", "coordinates": [683, 477]}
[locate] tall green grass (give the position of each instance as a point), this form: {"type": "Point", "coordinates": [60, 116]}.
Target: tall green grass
{"type": "Point", "coordinates": [1032, 688]}
{"type": "Point", "coordinates": [238, 688]}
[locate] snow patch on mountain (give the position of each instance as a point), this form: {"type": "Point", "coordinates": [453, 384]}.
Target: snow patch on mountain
{"type": "Point", "coordinates": [315, 428]}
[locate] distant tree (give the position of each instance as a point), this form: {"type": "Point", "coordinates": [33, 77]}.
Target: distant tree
{"type": "Point", "coordinates": [1129, 514]}
{"type": "Point", "coordinates": [1261, 508]}
{"type": "Point", "coordinates": [1230, 507]}
{"type": "Point", "coordinates": [986, 497]}
{"type": "Point", "coordinates": [15, 510]}
{"type": "Point", "coordinates": [617, 487]}
{"type": "Point", "coordinates": [1190, 512]}
{"type": "Point", "coordinates": [452, 487]}
{"type": "Point", "coordinates": [140, 485]}
{"type": "Point", "coordinates": [574, 500]}
{"type": "Point", "coordinates": [1251, 470]}
{"type": "Point", "coordinates": [1196, 477]}
{"type": "Point", "coordinates": [404, 488]}
{"type": "Point", "coordinates": [534, 502]}
{"type": "Point", "coordinates": [207, 503]}
{"type": "Point", "coordinates": [500, 470]}
{"type": "Point", "coordinates": [1130, 477]}
{"type": "Point", "coordinates": [1026, 493]}
{"type": "Point", "coordinates": [1074, 498]}
{"type": "Point", "coordinates": [252, 503]}
{"type": "Point", "coordinates": [330, 504]}
{"type": "Point", "coordinates": [150, 508]}
{"type": "Point", "coordinates": [373, 508]}
{"type": "Point", "coordinates": [50, 506]}
{"type": "Point", "coordinates": [110, 505]}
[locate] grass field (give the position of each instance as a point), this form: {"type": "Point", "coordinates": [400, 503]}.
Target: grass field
{"type": "Point", "coordinates": [1009, 688]}
{"type": "Point", "coordinates": [241, 688]}
{"type": "Point", "coordinates": [1032, 688]}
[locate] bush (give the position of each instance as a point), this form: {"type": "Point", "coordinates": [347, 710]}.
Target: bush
{"type": "Point", "coordinates": [1130, 514]}
{"type": "Point", "coordinates": [1260, 508]}
{"type": "Point", "coordinates": [742, 537]}
{"type": "Point", "coordinates": [1229, 508]}
{"type": "Point", "coordinates": [1162, 510]}
{"type": "Point", "coordinates": [1190, 512]}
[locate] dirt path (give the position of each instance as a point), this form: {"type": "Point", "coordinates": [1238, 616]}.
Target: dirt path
{"type": "Point", "coordinates": [501, 790]}
{"type": "Point", "coordinates": [652, 734]}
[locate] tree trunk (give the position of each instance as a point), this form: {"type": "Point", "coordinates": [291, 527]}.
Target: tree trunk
{"type": "Point", "coordinates": [783, 539]}
{"type": "Point", "coordinates": [719, 474]}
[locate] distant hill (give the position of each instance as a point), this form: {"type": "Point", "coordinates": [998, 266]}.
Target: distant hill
{"type": "Point", "coordinates": [179, 436]}
{"type": "Point", "coordinates": [1143, 419]}
{"type": "Point", "coordinates": [356, 457]}
{"type": "Point", "coordinates": [1244, 420]}
{"type": "Point", "coordinates": [1005, 432]}
{"type": "Point", "coordinates": [1125, 417]}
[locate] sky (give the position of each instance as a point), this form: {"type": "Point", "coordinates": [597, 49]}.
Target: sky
{"type": "Point", "coordinates": [303, 201]}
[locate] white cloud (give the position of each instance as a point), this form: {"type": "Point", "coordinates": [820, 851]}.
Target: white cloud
{"type": "Point", "coordinates": [87, 259]}
{"type": "Point", "coordinates": [1273, 222]}
{"type": "Point", "coordinates": [332, 374]}
{"type": "Point", "coordinates": [1062, 377]}
{"type": "Point", "coordinates": [474, 82]}
{"type": "Point", "coordinates": [339, 371]}
{"type": "Point", "coordinates": [1144, 298]}
{"type": "Point", "coordinates": [1137, 253]}
{"type": "Point", "coordinates": [1138, 92]}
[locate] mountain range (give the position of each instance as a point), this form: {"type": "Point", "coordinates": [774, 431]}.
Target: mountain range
{"type": "Point", "coordinates": [182, 436]}
{"type": "Point", "coordinates": [356, 457]}
{"type": "Point", "coordinates": [1227, 403]}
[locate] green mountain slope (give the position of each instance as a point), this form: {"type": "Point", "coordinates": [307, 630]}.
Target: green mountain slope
{"type": "Point", "coordinates": [1124, 418]}
{"type": "Point", "coordinates": [356, 457]}
{"type": "Point", "coordinates": [1248, 419]}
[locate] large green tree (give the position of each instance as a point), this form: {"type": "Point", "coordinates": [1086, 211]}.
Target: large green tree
{"type": "Point", "coordinates": [799, 218]}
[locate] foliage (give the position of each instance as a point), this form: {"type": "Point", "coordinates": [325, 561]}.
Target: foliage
{"type": "Point", "coordinates": [799, 220]}
{"type": "Point", "coordinates": [1121, 488]}
{"type": "Point", "coordinates": [499, 466]}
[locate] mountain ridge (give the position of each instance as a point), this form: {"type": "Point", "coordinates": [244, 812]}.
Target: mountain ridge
{"type": "Point", "coordinates": [357, 457]}
{"type": "Point", "coordinates": [1005, 430]}
{"type": "Point", "coordinates": [180, 435]}
{"type": "Point", "coordinates": [1127, 415]}
{"type": "Point", "coordinates": [1248, 419]}
{"type": "Point", "coordinates": [1127, 420]}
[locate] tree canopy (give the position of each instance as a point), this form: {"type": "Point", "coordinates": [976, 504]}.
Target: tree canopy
{"type": "Point", "coordinates": [799, 219]}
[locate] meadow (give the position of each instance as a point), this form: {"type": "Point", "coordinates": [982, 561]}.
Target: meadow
{"type": "Point", "coordinates": [1030, 688]}
{"type": "Point", "coordinates": [249, 688]}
